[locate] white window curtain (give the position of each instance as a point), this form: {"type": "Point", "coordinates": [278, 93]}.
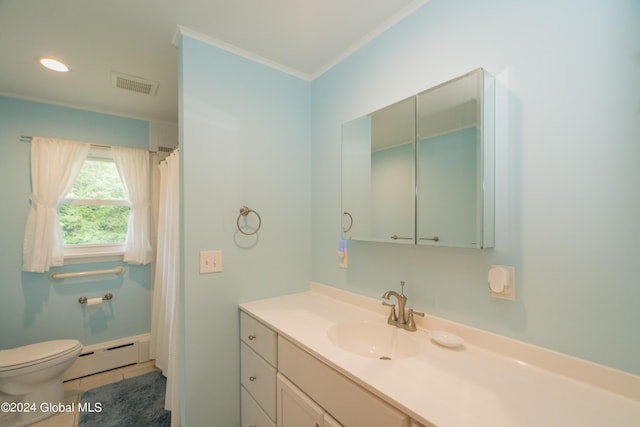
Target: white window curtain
{"type": "Point", "coordinates": [133, 167]}
{"type": "Point", "coordinates": [55, 165]}
{"type": "Point", "coordinates": [165, 339]}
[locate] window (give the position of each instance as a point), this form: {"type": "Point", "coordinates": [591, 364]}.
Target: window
{"type": "Point", "coordinates": [95, 214]}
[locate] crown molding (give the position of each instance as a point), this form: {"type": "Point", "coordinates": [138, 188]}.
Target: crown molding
{"type": "Point", "coordinates": [183, 31]}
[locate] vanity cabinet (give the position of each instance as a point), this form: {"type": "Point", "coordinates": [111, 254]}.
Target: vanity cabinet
{"type": "Point", "coordinates": [258, 368]}
{"type": "Point", "coordinates": [330, 422]}
{"type": "Point", "coordinates": [283, 385]}
{"type": "Point", "coordinates": [342, 398]}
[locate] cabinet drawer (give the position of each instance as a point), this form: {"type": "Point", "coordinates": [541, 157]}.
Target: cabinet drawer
{"type": "Point", "coordinates": [259, 379]}
{"type": "Point", "coordinates": [259, 337]}
{"type": "Point", "coordinates": [346, 401]}
{"type": "Point", "coordinates": [252, 414]}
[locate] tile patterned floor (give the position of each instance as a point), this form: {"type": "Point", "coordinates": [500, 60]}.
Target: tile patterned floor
{"type": "Point", "coordinates": [73, 390]}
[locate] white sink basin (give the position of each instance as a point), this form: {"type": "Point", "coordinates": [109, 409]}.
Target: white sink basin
{"type": "Point", "coordinates": [379, 341]}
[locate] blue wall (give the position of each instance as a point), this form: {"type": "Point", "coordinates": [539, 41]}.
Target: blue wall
{"type": "Point", "coordinates": [245, 140]}
{"type": "Point", "coordinates": [567, 174]}
{"type": "Point", "coordinates": [32, 307]}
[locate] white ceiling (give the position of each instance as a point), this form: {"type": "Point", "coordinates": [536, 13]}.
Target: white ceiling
{"type": "Point", "coordinates": [96, 37]}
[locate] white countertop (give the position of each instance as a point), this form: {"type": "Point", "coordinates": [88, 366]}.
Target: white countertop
{"type": "Point", "coordinates": [470, 386]}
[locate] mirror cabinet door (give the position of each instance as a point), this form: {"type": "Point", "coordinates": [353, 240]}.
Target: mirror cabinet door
{"type": "Point", "coordinates": [449, 159]}
{"type": "Point", "coordinates": [421, 170]}
{"type": "Point", "coordinates": [378, 158]}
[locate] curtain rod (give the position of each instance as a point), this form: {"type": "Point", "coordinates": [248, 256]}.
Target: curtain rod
{"type": "Point", "coordinates": [27, 138]}
{"type": "Point", "coordinates": [169, 153]}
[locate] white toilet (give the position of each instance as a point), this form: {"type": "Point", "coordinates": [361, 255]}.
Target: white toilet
{"type": "Point", "coordinates": [32, 374]}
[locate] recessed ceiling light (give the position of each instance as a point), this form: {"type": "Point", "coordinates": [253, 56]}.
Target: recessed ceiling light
{"type": "Point", "coordinates": [54, 64]}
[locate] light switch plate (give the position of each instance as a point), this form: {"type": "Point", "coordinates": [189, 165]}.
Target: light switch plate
{"type": "Point", "coordinates": [210, 262]}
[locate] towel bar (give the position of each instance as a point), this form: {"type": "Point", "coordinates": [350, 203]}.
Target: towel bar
{"type": "Point", "coordinates": [117, 270]}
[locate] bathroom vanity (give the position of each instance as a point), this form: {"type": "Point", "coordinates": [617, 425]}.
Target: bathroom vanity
{"type": "Point", "coordinates": [302, 365]}
{"type": "Point", "coordinates": [283, 384]}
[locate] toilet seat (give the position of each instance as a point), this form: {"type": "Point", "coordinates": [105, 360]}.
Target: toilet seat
{"type": "Point", "coordinates": [21, 357]}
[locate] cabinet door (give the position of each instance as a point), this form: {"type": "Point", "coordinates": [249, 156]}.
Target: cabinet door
{"type": "Point", "coordinates": [330, 422]}
{"type": "Point", "coordinates": [295, 409]}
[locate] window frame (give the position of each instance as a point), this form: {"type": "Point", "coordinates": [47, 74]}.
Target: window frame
{"type": "Point", "coordinates": [95, 252]}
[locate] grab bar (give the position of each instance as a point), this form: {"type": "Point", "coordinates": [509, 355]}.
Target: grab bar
{"type": "Point", "coordinates": [117, 270]}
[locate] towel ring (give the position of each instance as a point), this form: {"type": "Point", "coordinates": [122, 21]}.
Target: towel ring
{"type": "Point", "coordinates": [346, 230]}
{"type": "Point", "coordinates": [244, 211]}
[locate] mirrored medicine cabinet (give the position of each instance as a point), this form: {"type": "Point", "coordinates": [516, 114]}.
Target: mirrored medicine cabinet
{"type": "Point", "coordinates": [421, 171]}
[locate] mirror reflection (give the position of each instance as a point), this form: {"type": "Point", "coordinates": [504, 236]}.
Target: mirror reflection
{"type": "Point", "coordinates": [421, 170]}
{"type": "Point", "coordinates": [378, 174]}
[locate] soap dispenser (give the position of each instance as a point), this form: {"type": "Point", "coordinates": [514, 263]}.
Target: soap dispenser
{"type": "Point", "coordinates": [343, 255]}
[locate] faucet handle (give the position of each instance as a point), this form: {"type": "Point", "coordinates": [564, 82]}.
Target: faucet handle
{"type": "Point", "coordinates": [411, 324]}
{"type": "Point", "coordinates": [393, 317]}
{"type": "Point", "coordinates": [418, 313]}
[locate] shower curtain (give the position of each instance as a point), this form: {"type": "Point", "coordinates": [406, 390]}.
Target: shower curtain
{"type": "Point", "coordinates": [165, 305]}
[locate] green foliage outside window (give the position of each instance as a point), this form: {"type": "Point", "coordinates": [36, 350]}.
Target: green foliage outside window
{"type": "Point", "coordinates": [93, 224]}
{"type": "Point", "coordinates": [98, 179]}
{"type": "Point", "coordinates": [85, 217]}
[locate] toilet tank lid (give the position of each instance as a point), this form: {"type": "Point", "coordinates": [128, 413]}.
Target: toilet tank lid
{"type": "Point", "coordinates": [34, 353]}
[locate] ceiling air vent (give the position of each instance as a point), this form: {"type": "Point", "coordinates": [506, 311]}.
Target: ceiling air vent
{"type": "Point", "coordinates": [134, 84]}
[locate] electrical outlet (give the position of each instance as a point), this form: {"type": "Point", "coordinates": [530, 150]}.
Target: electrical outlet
{"type": "Point", "coordinates": [210, 262]}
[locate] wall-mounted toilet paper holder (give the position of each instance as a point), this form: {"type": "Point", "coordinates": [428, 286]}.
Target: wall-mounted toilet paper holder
{"type": "Point", "coordinates": [106, 297]}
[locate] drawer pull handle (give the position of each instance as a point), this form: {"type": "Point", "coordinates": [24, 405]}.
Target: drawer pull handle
{"type": "Point", "coordinates": [251, 337]}
{"type": "Point", "coordinates": [252, 378]}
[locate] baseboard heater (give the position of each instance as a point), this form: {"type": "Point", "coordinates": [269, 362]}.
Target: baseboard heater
{"type": "Point", "coordinates": [109, 355]}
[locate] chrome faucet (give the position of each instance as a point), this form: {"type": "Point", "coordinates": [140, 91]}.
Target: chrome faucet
{"type": "Point", "coordinates": [403, 319]}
